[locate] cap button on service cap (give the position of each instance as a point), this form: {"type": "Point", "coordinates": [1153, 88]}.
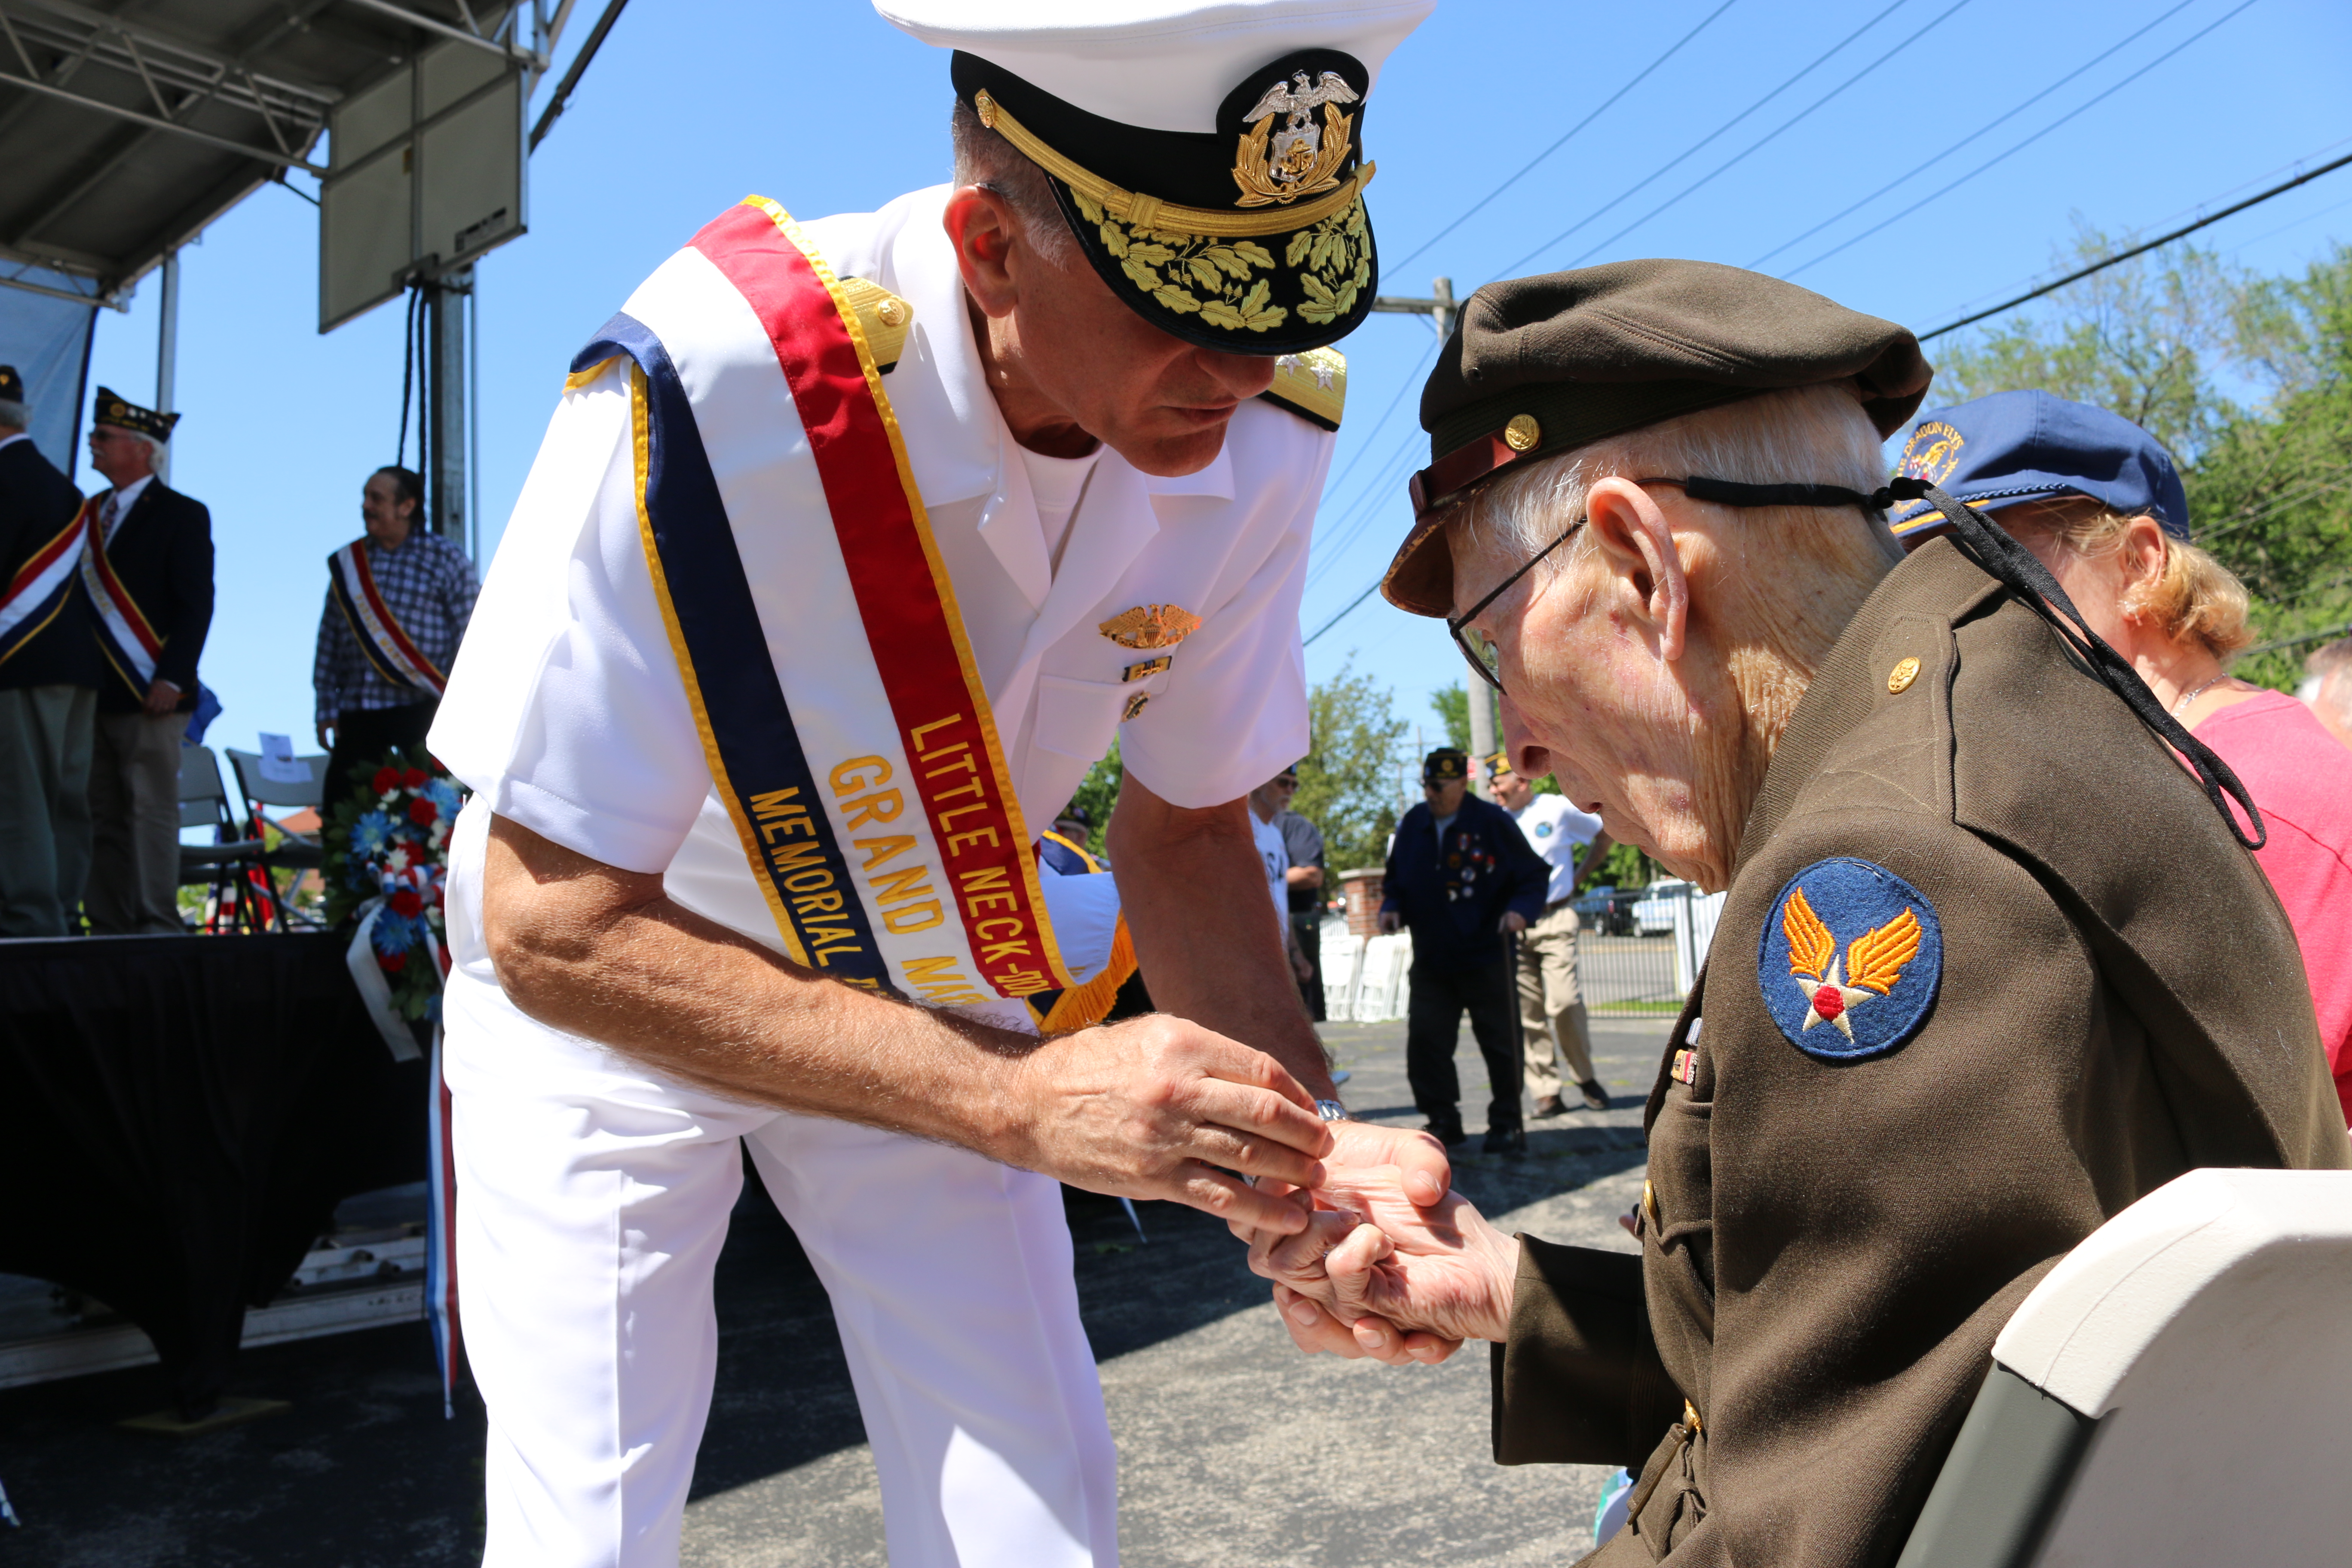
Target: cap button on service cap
{"type": "Point", "coordinates": [1522, 433]}
{"type": "Point", "coordinates": [1905, 672]}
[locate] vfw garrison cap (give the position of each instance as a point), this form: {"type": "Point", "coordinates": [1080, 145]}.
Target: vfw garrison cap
{"type": "Point", "coordinates": [114, 408]}
{"type": "Point", "coordinates": [2026, 445]}
{"type": "Point", "coordinates": [1539, 366]}
{"type": "Point", "coordinates": [1445, 763]}
{"type": "Point", "coordinates": [12, 386]}
{"type": "Point", "coordinates": [1209, 157]}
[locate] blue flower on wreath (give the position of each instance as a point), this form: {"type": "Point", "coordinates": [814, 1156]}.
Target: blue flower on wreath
{"type": "Point", "coordinates": [392, 932]}
{"type": "Point", "coordinates": [442, 793]}
{"type": "Point", "coordinates": [369, 833]}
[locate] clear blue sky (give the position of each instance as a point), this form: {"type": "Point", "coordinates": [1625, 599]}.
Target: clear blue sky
{"type": "Point", "coordinates": [824, 108]}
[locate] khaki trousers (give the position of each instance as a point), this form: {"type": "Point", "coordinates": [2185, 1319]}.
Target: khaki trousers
{"type": "Point", "coordinates": [45, 741]}
{"type": "Point", "coordinates": [1551, 1007]}
{"type": "Point", "coordinates": [134, 809]}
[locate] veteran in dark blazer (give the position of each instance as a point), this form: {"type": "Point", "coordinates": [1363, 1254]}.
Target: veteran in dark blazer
{"type": "Point", "coordinates": [1993, 964]}
{"type": "Point", "coordinates": [48, 685]}
{"type": "Point", "coordinates": [151, 607]}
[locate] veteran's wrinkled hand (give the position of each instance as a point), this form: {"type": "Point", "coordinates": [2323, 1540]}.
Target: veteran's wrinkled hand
{"type": "Point", "coordinates": [1407, 1282]}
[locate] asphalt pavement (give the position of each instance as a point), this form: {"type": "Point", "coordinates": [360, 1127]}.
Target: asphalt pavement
{"type": "Point", "coordinates": [1236, 1449]}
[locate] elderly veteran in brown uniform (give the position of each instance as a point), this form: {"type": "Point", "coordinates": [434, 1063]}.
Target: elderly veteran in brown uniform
{"type": "Point", "coordinates": [1955, 1017]}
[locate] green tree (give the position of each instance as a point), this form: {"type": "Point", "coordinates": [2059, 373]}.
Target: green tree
{"type": "Point", "coordinates": [1452, 706]}
{"type": "Point", "coordinates": [1097, 793]}
{"type": "Point", "coordinates": [2143, 338]}
{"type": "Point", "coordinates": [2272, 493]}
{"type": "Point", "coordinates": [1347, 780]}
{"type": "Point", "coordinates": [2269, 481]}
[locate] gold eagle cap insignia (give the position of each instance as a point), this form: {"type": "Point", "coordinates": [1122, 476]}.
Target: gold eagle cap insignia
{"type": "Point", "coordinates": [1151, 626]}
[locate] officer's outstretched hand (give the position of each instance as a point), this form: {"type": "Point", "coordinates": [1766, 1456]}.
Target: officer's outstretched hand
{"type": "Point", "coordinates": [1379, 1275]}
{"type": "Point", "coordinates": [1159, 1108]}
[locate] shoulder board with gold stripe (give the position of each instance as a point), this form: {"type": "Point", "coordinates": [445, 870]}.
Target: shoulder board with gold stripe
{"type": "Point", "coordinates": [1312, 385]}
{"type": "Point", "coordinates": [885, 318]}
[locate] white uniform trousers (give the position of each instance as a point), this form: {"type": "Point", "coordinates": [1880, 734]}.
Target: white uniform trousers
{"type": "Point", "coordinates": [592, 1199]}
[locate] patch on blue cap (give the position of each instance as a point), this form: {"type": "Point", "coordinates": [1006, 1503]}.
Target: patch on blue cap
{"type": "Point", "coordinates": [2009, 446]}
{"type": "Point", "coordinates": [1851, 959]}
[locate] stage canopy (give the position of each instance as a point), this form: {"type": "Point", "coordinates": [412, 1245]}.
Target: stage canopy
{"type": "Point", "coordinates": [125, 129]}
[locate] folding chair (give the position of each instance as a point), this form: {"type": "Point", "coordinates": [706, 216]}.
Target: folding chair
{"type": "Point", "coordinates": [2172, 1393]}
{"type": "Point", "coordinates": [222, 866]}
{"type": "Point", "coordinates": [294, 853]}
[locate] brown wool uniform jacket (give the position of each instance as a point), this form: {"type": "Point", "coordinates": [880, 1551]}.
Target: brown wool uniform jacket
{"type": "Point", "coordinates": [1833, 1244]}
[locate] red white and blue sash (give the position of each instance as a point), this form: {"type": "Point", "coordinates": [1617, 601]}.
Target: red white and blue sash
{"type": "Point", "coordinates": [381, 635]}
{"type": "Point", "coordinates": [41, 585]}
{"type": "Point", "coordinates": [129, 644]}
{"type": "Point", "coordinates": [817, 628]}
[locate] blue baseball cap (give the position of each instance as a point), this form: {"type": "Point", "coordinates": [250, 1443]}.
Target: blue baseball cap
{"type": "Point", "coordinates": [2023, 446]}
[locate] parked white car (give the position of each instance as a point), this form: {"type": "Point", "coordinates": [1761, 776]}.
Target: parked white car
{"type": "Point", "coordinates": [1655, 915]}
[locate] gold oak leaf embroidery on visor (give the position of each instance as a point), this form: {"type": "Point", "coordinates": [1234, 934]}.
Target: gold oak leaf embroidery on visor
{"type": "Point", "coordinates": [1170, 266]}
{"type": "Point", "coordinates": [1874, 961]}
{"type": "Point", "coordinates": [1151, 626]}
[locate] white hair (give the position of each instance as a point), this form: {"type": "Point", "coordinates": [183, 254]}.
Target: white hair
{"type": "Point", "coordinates": [985, 159]}
{"type": "Point", "coordinates": [1804, 435]}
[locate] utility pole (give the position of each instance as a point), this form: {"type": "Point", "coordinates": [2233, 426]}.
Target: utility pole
{"type": "Point", "coordinates": [1483, 744]}
{"type": "Point", "coordinates": [444, 414]}
{"type": "Point", "coordinates": [167, 356]}
{"type": "Point", "coordinates": [1438, 308]}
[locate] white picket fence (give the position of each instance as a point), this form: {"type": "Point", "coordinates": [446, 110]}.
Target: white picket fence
{"type": "Point", "coordinates": [1368, 980]}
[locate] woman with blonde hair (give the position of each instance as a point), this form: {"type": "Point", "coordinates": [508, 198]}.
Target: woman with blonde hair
{"type": "Point", "coordinates": [2097, 500]}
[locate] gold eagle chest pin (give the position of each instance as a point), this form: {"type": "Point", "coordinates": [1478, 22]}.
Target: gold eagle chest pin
{"type": "Point", "coordinates": [1148, 627]}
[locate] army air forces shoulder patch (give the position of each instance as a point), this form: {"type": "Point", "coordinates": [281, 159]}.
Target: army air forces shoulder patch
{"type": "Point", "coordinates": [1851, 959]}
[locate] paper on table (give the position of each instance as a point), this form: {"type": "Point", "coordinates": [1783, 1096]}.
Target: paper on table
{"type": "Point", "coordinates": [279, 765]}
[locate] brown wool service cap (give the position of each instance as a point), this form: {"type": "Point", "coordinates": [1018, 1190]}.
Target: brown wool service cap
{"type": "Point", "coordinates": [1539, 366]}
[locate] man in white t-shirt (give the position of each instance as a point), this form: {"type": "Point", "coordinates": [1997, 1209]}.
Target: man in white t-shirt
{"type": "Point", "coordinates": [1551, 1003]}
{"type": "Point", "coordinates": [1266, 805]}
{"type": "Point", "coordinates": [1113, 526]}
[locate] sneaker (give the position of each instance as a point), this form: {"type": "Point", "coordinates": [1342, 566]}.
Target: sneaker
{"type": "Point", "coordinates": [1512, 1140]}
{"type": "Point", "coordinates": [1549, 1106]}
{"type": "Point", "coordinates": [1595, 1096]}
{"type": "Point", "coordinates": [1449, 1133]}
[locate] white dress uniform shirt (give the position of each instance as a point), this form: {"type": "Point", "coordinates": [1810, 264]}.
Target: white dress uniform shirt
{"type": "Point", "coordinates": [567, 712]}
{"type": "Point", "coordinates": [594, 1192]}
{"type": "Point", "coordinates": [1559, 832]}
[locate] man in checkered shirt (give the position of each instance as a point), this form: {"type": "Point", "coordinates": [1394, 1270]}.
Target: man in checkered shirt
{"type": "Point", "coordinates": [428, 584]}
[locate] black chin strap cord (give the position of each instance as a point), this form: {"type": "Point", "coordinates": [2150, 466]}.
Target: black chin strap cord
{"type": "Point", "coordinates": [2017, 569]}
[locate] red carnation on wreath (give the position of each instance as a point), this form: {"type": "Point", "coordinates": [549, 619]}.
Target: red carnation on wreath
{"type": "Point", "coordinates": [413, 778]}
{"type": "Point", "coordinates": [391, 962]}
{"type": "Point", "coordinates": [386, 780]}
{"type": "Point", "coordinates": [422, 811]}
{"type": "Point", "coordinates": [406, 902]}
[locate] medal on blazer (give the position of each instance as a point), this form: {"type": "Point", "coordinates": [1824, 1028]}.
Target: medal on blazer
{"type": "Point", "coordinates": [124, 636]}
{"type": "Point", "coordinates": [42, 585]}
{"type": "Point", "coordinates": [826, 661]}
{"type": "Point", "coordinates": [381, 635]}
{"type": "Point", "coordinates": [1875, 995]}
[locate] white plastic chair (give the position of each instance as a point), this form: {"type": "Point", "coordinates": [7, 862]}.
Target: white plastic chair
{"type": "Point", "coordinates": [2173, 1392]}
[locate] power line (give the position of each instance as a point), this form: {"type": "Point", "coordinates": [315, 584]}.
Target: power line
{"type": "Point", "coordinates": [1477, 207]}
{"type": "Point", "coordinates": [1907, 175]}
{"type": "Point", "coordinates": [1769, 135]}
{"type": "Point", "coordinates": [1363, 509]}
{"type": "Point", "coordinates": [2080, 273]}
{"type": "Point", "coordinates": [1667, 167]}
{"type": "Point", "coordinates": [2079, 108]}
{"type": "Point", "coordinates": [1342, 616]}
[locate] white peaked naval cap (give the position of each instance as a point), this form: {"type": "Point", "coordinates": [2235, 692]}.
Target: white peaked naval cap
{"type": "Point", "coordinates": [1208, 158]}
{"type": "Point", "coordinates": [1162, 65]}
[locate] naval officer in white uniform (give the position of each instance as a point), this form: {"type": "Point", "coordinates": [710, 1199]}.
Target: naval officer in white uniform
{"type": "Point", "coordinates": [1124, 518]}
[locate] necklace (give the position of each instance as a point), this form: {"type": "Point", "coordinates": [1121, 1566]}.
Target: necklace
{"type": "Point", "coordinates": [2182, 706]}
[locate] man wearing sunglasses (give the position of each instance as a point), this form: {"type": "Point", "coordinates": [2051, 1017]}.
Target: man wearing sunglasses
{"type": "Point", "coordinates": [1957, 1014]}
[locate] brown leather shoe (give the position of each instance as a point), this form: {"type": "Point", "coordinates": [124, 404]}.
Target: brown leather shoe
{"type": "Point", "coordinates": [1595, 1096]}
{"type": "Point", "coordinates": [1549, 1106]}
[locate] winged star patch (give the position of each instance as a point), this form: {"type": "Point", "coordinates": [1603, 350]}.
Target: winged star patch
{"type": "Point", "coordinates": [1850, 960]}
